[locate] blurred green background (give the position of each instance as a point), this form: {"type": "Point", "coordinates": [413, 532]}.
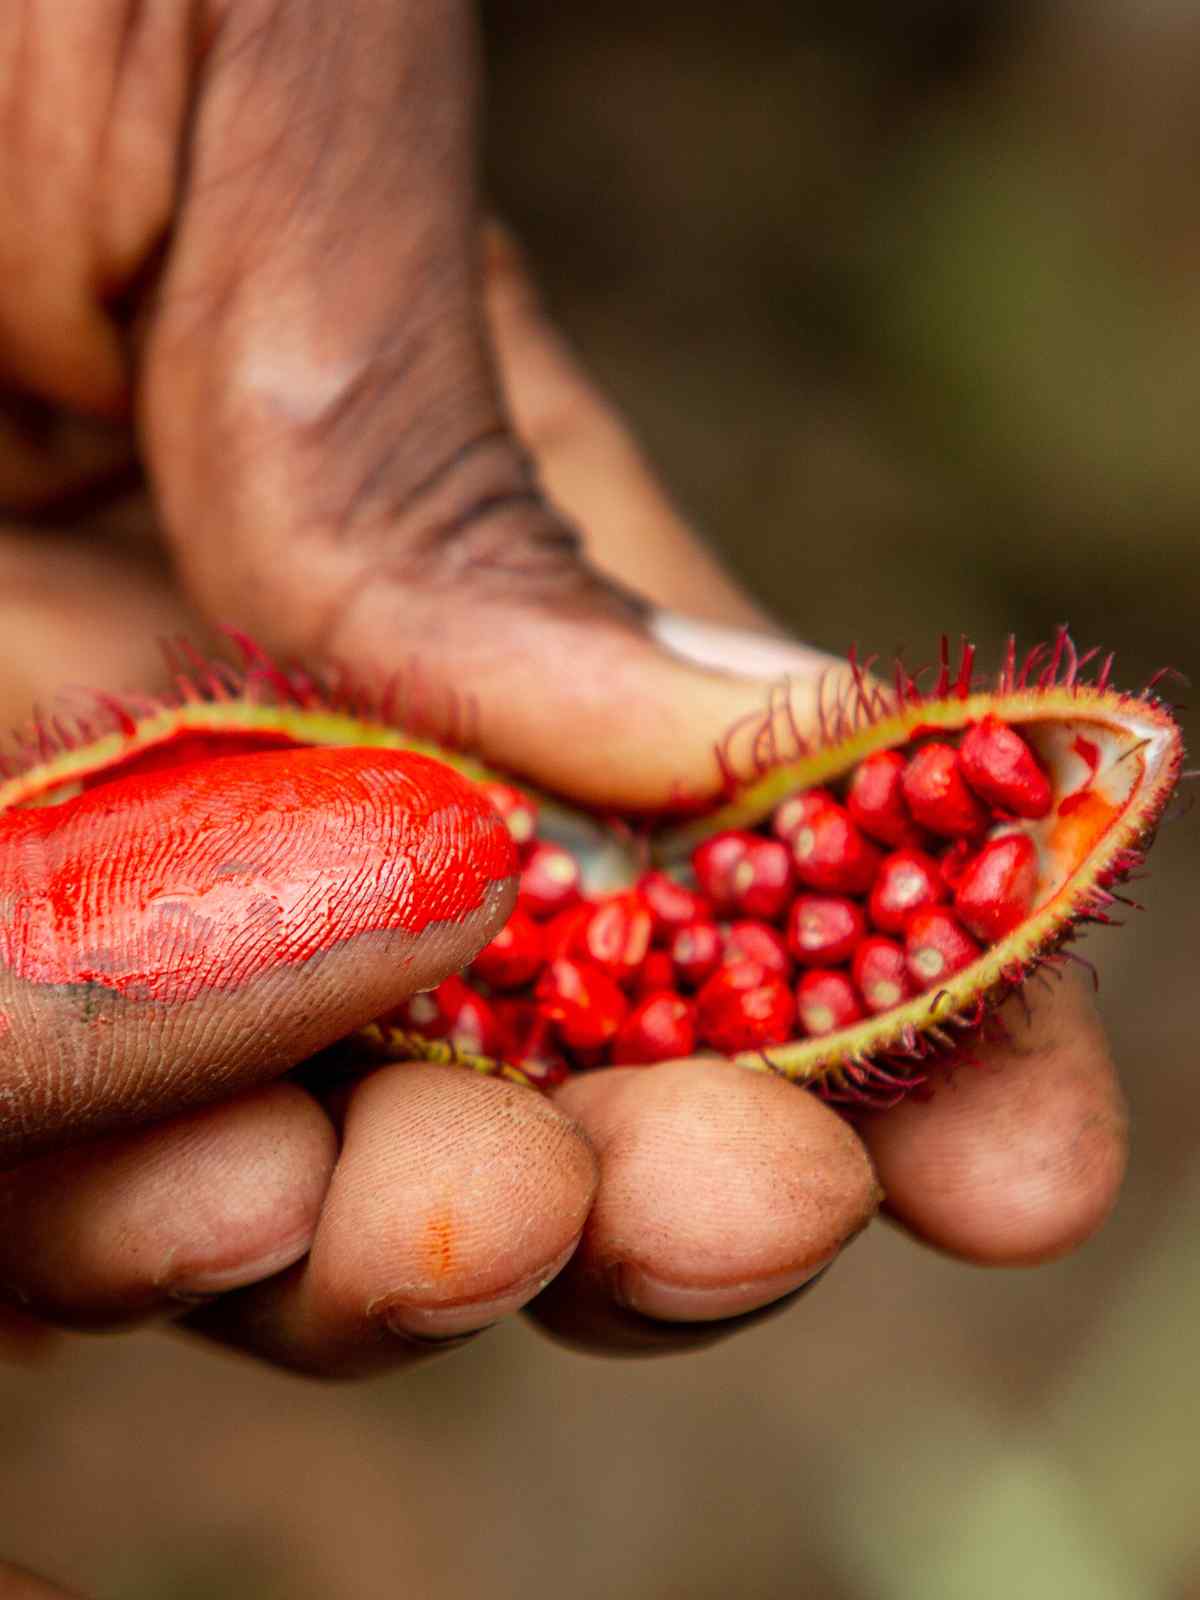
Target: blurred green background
{"type": "Point", "coordinates": [904, 300]}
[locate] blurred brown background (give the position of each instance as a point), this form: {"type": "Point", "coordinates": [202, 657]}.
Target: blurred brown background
{"type": "Point", "coordinates": [904, 299]}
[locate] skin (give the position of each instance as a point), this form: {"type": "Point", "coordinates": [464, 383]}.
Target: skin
{"type": "Point", "coordinates": [374, 462]}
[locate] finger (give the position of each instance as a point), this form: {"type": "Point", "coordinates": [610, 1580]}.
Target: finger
{"type": "Point", "coordinates": [721, 1191]}
{"type": "Point", "coordinates": [1018, 1157]}
{"type": "Point", "coordinates": [454, 1201]}
{"type": "Point", "coordinates": [142, 1224]}
{"type": "Point", "coordinates": [171, 939]}
{"type": "Point", "coordinates": [339, 477]}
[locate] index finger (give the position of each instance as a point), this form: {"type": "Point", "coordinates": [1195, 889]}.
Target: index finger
{"type": "Point", "coordinates": [174, 935]}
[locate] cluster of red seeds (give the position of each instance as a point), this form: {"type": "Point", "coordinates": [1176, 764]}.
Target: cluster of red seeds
{"type": "Point", "coordinates": [841, 907]}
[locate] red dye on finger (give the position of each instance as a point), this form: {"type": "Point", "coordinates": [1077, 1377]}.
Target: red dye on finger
{"type": "Point", "coordinates": [186, 881]}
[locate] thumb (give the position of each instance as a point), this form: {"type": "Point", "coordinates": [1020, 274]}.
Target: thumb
{"type": "Point", "coordinates": [328, 439]}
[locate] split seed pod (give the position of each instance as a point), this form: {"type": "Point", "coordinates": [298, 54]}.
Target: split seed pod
{"type": "Point", "coordinates": [1047, 756]}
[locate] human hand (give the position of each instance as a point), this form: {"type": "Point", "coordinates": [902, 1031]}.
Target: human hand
{"type": "Point", "coordinates": [331, 462]}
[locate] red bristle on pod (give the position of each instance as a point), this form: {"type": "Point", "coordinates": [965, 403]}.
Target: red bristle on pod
{"type": "Point", "coordinates": [696, 952]}
{"type": "Point", "coordinates": [656, 975]}
{"type": "Point", "coordinates": [582, 1001]}
{"type": "Point", "coordinates": [880, 974]}
{"type": "Point", "coordinates": [832, 854]}
{"type": "Point", "coordinates": [517, 809]}
{"type": "Point", "coordinates": [715, 863]}
{"type": "Point", "coordinates": [763, 880]}
{"type": "Point", "coordinates": [875, 799]}
{"type": "Point", "coordinates": [550, 880]}
{"type": "Point", "coordinates": [672, 905]}
{"type": "Point", "coordinates": [798, 810]}
{"type": "Point", "coordinates": [997, 892]}
{"type": "Point", "coordinates": [755, 941]}
{"type": "Point", "coordinates": [743, 1007]}
{"type": "Point", "coordinates": [514, 956]}
{"type": "Point", "coordinates": [939, 796]}
{"type": "Point", "coordinates": [908, 881]}
{"type": "Point", "coordinates": [617, 935]}
{"type": "Point", "coordinates": [1000, 766]}
{"type": "Point", "coordinates": [824, 930]}
{"type": "Point", "coordinates": [661, 1028]}
{"type": "Point", "coordinates": [936, 946]}
{"type": "Point", "coordinates": [826, 1001]}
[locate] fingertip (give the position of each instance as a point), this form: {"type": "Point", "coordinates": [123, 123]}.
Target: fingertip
{"type": "Point", "coordinates": [1018, 1157]}
{"type": "Point", "coordinates": [721, 1192]}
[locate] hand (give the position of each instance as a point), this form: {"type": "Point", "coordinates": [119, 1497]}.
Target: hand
{"type": "Point", "coordinates": [296, 310]}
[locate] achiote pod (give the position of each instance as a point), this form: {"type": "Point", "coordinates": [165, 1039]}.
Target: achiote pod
{"type": "Point", "coordinates": [851, 906]}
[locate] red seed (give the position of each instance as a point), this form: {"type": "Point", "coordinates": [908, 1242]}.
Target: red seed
{"type": "Point", "coordinates": [743, 1007]}
{"type": "Point", "coordinates": [696, 952]}
{"type": "Point", "coordinates": [830, 853]}
{"type": "Point", "coordinates": [826, 1001]}
{"type": "Point", "coordinates": [454, 1012]}
{"type": "Point", "coordinates": [955, 863]}
{"type": "Point", "coordinates": [662, 1028]}
{"type": "Point", "coordinates": [997, 893]}
{"type": "Point", "coordinates": [560, 936]}
{"type": "Point", "coordinates": [617, 935]}
{"type": "Point", "coordinates": [880, 974]}
{"type": "Point", "coordinates": [938, 795]}
{"type": "Point", "coordinates": [763, 879]}
{"type": "Point", "coordinates": [936, 946]}
{"type": "Point", "coordinates": [525, 1040]}
{"type": "Point", "coordinates": [517, 809]}
{"type": "Point", "coordinates": [514, 955]}
{"type": "Point", "coordinates": [549, 880]}
{"type": "Point", "coordinates": [583, 1002]}
{"type": "Point", "coordinates": [823, 930]}
{"type": "Point", "coordinates": [657, 973]}
{"type": "Point", "coordinates": [1001, 767]}
{"type": "Point", "coordinates": [908, 881]}
{"type": "Point", "coordinates": [715, 863]}
{"type": "Point", "coordinates": [875, 799]}
{"type": "Point", "coordinates": [755, 941]}
{"type": "Point", "coordinates": [797, 810]}
{"type": "Point", "coordinates": [672, 904]}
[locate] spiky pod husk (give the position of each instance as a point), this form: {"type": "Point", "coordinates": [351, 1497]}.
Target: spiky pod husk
{"type": "Point", "coordinates": [1113, 756]}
